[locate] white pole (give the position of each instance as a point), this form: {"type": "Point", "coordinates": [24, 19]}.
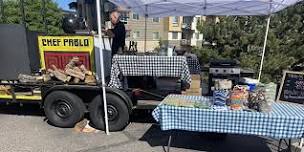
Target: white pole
{"type": "Point", "coordinates": [102, 66]}
{"type": "Point", "coordinates": [264, 48]}
{"type": "Point", "coordinates": [146, 16]}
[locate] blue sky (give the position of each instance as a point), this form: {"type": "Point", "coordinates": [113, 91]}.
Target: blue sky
{"type": "Point", "coordinates": [64, 3]}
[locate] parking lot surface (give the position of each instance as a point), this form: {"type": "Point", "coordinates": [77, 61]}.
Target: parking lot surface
{"type": "Point", "coordinates": [24, 129]}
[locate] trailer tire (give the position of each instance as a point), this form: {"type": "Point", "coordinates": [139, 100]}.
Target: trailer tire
{"type": "Point", "coordinates": [63, 109]}
{"type": "Point", "coordinates": [118, 113]}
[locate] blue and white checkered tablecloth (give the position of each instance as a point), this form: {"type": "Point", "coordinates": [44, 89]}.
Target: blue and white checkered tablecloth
{"type": "Point", "coordinates": [284, 121]}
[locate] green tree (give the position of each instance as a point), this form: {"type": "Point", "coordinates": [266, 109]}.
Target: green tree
{"type": "Point", "coordinates": [33, 15]}
{"type": "Point", "coordinates": [242, 37]}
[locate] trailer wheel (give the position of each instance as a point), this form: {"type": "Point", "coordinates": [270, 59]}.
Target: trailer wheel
{"type": "Point", "coordinates": [118, 114]}
{"type": "Point", "coordinates": [63, 109]}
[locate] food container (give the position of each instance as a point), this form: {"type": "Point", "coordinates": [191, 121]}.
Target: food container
{"type": "Point", "coordinates": [238, 98]}
{"type": "Point", "coordinates": [252, 83]}
{"type": "Point", "coordinates": [262, 98]}
{"type": "Point", "coordinates": [220, 97]}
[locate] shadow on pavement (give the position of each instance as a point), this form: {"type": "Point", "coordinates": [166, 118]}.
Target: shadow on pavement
{"type": "Point", "coordinates": [154, 136]}
{"type": "Point", "coordinates": [210, 142]}
{"type": "Point", "coordinates": [31, 109]}
{"type": "Point", "coordinates": [142, 116]}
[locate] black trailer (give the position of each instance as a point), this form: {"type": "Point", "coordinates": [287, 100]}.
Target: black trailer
{"type": "Point", "coordinates": [66, 104]}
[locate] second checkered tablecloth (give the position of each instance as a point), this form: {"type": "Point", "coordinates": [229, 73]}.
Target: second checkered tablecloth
{"type": "Point", "coordinates": [194, 65]}
{"type": "Point", "coordinates": [159, 66]}
{"type": "Point", "coordinates": [285, 120]}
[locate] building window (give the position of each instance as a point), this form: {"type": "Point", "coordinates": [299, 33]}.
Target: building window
{"type": "Point", "coordinates": [155, 19]}
{"type": "Point", "coordinates": [174, 35]}
{"type": "Point", "coordinates": [175, 20]}
{"type": "Point", "coordinates": [135, 16]}
{"type": "Point", "coordinates": [136, 35]}
{"type": "Point", "coordinates": [155, 35]}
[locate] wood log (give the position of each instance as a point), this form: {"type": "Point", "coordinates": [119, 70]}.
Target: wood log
{"type": "Point", "coordinates": [50, 73]}
{"type": "Point", "coordinates": [46, 77]}
{"type": "Point", "coordinates": [72, 63]}
{"type": "Point", "coordinates": [77, 69]}
{"type": "Point", "coordinates": [29, 78]}
{"type": "Point", "coordinates": [75, 60]}
{"type": "Point", "coordinates": [5, 89]}
{"type": "Point", "coordinates": [39, 78]}
{"type": "Point", "coordinates": [90, 79]}
{"type": "Point", "coordinates": [61, 71]}
{"type": "Point", "coordinates": [75, 73]}
{"type": "Point", "coordinates": [85, 70]}
{"type": "Point", "coordinates": [76, 80]}
{"type": "Point", "coordinates": [69, 78]}
{"type": "Point", "coordinates": [53, 67]}
{"type": "Point", "coordinates": [57, 74]}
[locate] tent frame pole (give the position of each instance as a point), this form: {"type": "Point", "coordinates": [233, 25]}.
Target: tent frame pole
{"type": "Point", "coordinates": [43, 13]}
{"type": "Point", "coordinates": [2, 11]}
{"type": "Point", "coordinates": [102, 66]}
{"type": "Point", "coordinates": [146, 17]}
{"type": "Point", "coordinates": [264, 47]}
{"type": "Point", "coordinates": [22, 12]}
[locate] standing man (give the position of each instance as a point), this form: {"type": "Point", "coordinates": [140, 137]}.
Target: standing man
{"type": "Point", "coordinates": [118, 33]}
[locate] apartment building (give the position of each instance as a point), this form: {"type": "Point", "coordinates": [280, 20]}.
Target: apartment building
{"type": "Point", "coordinates": [174, 26]}
{"type": "Point", "coordinates": [156, 31]}
{"type": "Point", "coordinates": [191, 35]}
{"type": "Point", "coordinates": [171, 31]}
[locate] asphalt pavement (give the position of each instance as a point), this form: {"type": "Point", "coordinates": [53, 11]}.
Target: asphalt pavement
{"type": "Point", "coordinates": [25, 129]}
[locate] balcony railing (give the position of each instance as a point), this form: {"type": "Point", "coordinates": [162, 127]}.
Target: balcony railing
{"type": "Point", "coordinates": [186, 26]}
{"type": "Point", "coordinates": [185, 42]}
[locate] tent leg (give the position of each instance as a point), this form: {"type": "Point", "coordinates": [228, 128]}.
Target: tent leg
{"type": "Point", "coordinates": [264, 48]}
{"type": "Point", "coordinates": [145, 43]}
{"type": "Point", "coordinates": [43, 13]}
{"type": "Point", "coordinates": [102, 67]}
{"type": "Point", "coordinates": [146, 17]}
{"type": "Point", "coordinates": [2, 11]}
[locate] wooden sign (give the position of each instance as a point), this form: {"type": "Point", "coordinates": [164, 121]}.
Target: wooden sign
{"type": "Point", "coordinates": [292, 87]}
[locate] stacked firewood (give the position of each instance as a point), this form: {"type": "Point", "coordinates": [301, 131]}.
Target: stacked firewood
{"type": "Point", "coordinates": [5, 89]}
{"type": "Point", "coordinates": [74, 72]}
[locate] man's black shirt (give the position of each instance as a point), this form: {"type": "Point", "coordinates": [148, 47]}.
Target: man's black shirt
{"type": "Point", "coordinates": [119, 37]}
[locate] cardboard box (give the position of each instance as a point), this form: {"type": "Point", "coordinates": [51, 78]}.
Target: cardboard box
{"type": "Point", "coordinates": [196, 92]}
{"type": "Point", "coordinates": [196, 77]}
{"type": "Point", "coordinates": [192, 94]}
{"type": "Point", "coordinates": [195, 84]}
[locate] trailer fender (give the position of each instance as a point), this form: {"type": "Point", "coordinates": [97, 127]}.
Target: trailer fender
{"type": "Point", "coordinates": [123, 96]}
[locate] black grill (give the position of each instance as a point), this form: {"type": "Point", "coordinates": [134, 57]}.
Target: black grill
{"type": "Point", "coordinates": [223, 69]}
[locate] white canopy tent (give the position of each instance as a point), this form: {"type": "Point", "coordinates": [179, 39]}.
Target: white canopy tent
{"type": "Point", "coordinates": [165, 8]}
